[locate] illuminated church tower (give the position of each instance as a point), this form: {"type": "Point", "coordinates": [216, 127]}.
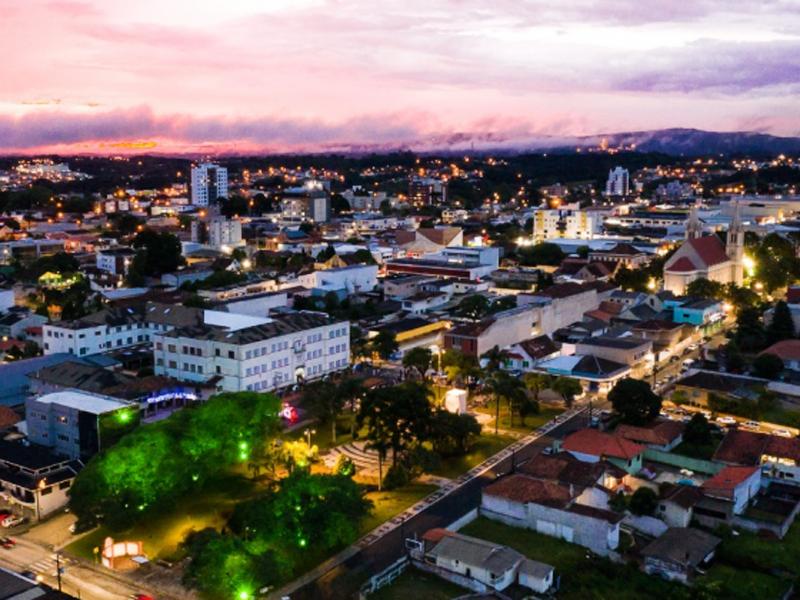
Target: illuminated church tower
{"type": "Point", "coordinates": [735, 246]}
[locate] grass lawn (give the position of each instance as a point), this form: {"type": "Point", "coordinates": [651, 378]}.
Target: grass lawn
{"type": "Point", "coordinates": [393, 502]}
{"type": "Point", "coordinates": [546, 413]}
{"type": "Point", "coordinates": [419, 585]}
{"type": "Point", "coordinates": [162, 533]}
{"type": "Point", "coordinates": [743, 584]}
{"type": "Point", "coordinates": [749, 551]}
{"type": "Point", "coordinates": [322, 438]}
{"type": "Point", "coordinates": [486, 446]}
{"type": "Point", "coordinates": [582, 578]}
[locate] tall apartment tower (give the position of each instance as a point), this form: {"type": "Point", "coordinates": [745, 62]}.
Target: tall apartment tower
{"type": "Point", "coordinates": [618, 183]}
{"type": "Point", "coordinates": [208, 182]}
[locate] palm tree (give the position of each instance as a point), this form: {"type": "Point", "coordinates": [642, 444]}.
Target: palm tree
{"type": "Point", "coordinates": [510, 389]}
{"type": "Point", "coordinates": [496, 358]}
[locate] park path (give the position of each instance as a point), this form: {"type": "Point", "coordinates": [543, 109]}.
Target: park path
{"type": "Point", "coordinates": [421, 506]}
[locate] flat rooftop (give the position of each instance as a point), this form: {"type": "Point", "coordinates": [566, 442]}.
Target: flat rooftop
{"type": "Point", "coordinates": [92, 403]}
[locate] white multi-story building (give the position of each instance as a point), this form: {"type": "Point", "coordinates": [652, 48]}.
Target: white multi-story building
{"type": "Point", "coordinates": [352, 279]}
{"type": "Point", "coordinates": [114, 260]}
{"type": "Point", "coordinates": [242, 353]}
{"type": "Point", "coordinates": [618, 183]}
{"type": "Point", "coordinates": [208, 182]}
{"type": "Point", "coordinates": [556, 223]}
{"type": "Point", "coordinates": [114, 328]}
{"type": "Point", "coordinates": [224, 232]}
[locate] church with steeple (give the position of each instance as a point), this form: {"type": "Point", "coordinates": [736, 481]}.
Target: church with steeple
{"type": "Point", "coordinates": [705, 256]}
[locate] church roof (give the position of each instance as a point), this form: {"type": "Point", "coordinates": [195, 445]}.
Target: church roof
{"type": "Point", "coordinates": [683, 265]}
{"type": "Point", "coordinates": [710, 249]}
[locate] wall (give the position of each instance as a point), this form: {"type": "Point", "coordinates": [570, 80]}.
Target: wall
{"type": "Point", "coordinates": [684, 462]}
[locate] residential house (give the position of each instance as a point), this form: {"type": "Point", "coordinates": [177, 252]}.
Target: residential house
{"type": "Point", "coordinates": [788, 351]}
{"type": "Point", "coordinates": [483, 565]}
{"type": "Point", "coordinates": [735, 484]}
{"type": "Point", "coordinates": [779, 458]}
{"type": "Point", "coordinates": [628, 350]}
{"type": "Point", "coordinates": [677, 502]}
{"type": "Point", "coordinates": [678, 553]}
{"type": "Point", "coordinates": [661, 435]}
{"type": "Point", "coordinates": [590, 445]}
{"type": "Point", "coordinates": [34, 480]}
{"type": "Point", "coordinates": [699, 385]}
{"type": "Point", "coordinates": [581, 270]}
{"type": "Point", "coordinates": [527, 354]}
{"type": "Point", "coordinates": [550, 508]}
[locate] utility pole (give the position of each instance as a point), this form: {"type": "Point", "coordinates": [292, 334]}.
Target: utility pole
{"type": "Point", "coordinates": [58, 569]}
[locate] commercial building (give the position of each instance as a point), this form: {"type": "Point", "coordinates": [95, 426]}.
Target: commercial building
{"type": "Point", "coordinates": [618, 182]}
{"type": "Point", "coordinates": [423, 191]}
{"type": "Point", "coordinates": [78, 424]}
{"type": "Point", "coordinates": [208, 183]}
{"type": "Point", "coordinates": [470, 264]}
{"type": "Point", "coordinates": [116, 327]}
{"type": "Point", "coordinates": [238, 352]}
{"type": "Point", "coordinates": [114, 260]}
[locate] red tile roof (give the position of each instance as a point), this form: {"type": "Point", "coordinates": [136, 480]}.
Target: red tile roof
{"type": "Point", "coordinates": [661, 434]}
{"type": "Point", "coordinates": [710, 249]}
{"type": "Point", "coordinates": [726, 481]}
{"type": "Point", "coordinates": [8, 417]}
{"type": "Point", "coordinates": [786, 350]}
{"type": "Point", "coordinates": [596, 443]}
{"type": "Point", "coordinates": [682, 265]}
{"type": "Point", "coordinates": [524, 489]}
{"type": "Point", "coordinates": [747, 447]}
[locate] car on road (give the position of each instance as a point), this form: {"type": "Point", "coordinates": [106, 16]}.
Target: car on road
{"type": "Point", "coordinates": [752, 424]}
{"type": "Point", "coordinates": [726, 420]}
{"type": "Point", "coordinates": [7, 543]}
{"type": "Point", "coordinates": [12, 521]}
{"type": "Point", "coordinates": [782, 433]}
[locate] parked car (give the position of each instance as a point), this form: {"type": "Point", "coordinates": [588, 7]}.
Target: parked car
{"type": "Point", "coordinates": [726, 420]}
{"type": "Point", "coordinates": [752, 424]}
{"type": "Point", "coordinates": [12, 521]}
{"type": "Point", "coordinates": [783, 433]}
{"type": "Point", "coordinates": [7, 543]}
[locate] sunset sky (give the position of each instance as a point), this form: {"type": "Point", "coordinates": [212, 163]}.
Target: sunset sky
{"type": "Point", "coordinates": [272, 75]}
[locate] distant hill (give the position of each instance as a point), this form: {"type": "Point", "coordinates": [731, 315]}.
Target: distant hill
{"type": "Point", "coordinates": [693, 142]}
{"type": "Point", "coordinates": [675, 142]}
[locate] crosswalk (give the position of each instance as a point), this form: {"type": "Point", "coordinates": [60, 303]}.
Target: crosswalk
{"type": "Point", "coordinates": [47, 566]}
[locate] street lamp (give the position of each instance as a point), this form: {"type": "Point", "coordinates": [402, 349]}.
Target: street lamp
{"type": "Point", "coordinates": [37, 493]}
{"type": "Point", "coordinates": [308, 433]}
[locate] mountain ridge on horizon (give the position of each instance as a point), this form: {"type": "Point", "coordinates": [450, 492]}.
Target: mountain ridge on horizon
{"type": "Point", "coordinates": [675, 141]}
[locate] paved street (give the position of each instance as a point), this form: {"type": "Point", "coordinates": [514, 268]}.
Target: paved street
{"type": "Point", "coordinates": [343, 574]}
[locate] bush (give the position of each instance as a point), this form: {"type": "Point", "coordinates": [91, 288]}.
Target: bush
{"type": "Point", "coordinates": [396, 477]}
{"type": "Point", "coordinates": [643, 501]}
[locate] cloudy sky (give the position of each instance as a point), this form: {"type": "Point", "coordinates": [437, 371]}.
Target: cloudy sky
{"type": "Point", "coordinates": [241, 75]}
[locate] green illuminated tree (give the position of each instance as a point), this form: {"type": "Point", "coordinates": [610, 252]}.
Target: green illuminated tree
{"type": "Point", "coordinates": [567, 388]}
{"type": "Point", "coordinates": [157, 464]}
{"type": "Point", "coordinates": [306, 509]}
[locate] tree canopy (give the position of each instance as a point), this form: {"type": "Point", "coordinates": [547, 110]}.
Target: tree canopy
{"type": "Point", "coordinates": [159, 463]}
{"type": "Point", "coordinates": [634, 401]}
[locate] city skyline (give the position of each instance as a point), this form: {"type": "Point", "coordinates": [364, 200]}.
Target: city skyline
{"type": "Point", "coordinates": [311, 75]}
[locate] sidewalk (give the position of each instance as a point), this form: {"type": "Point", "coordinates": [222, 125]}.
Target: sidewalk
{"type": "Point", "coordinates": [388, 526]}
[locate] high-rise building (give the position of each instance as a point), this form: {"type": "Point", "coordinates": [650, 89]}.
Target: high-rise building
{"type": "Point", "coordinates": [423, 191]}
{"type": "Point", "coordinates": [208, 182]}
{"type": "Point", "coordinates": [618, 183]}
